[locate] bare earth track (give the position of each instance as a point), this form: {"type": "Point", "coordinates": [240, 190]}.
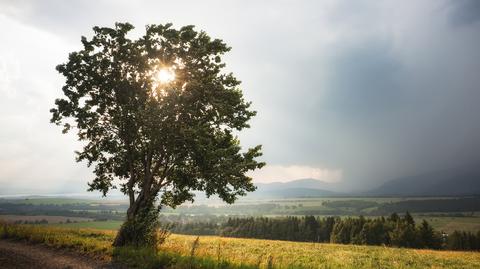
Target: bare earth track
{"type": "Point", "coordinates": [19, 255]}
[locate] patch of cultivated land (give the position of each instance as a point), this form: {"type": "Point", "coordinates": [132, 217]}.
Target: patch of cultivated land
{"type": "Point", "coordinates": [100, 225]}
{"type": "Point", "coordinates": [252, 252]}
{"type": "Point", "coordinates": [445, 224]}
{"type": "Point", "coordinates": [50, 219]}
{"type": "Point", "coordinates": [450, 224]}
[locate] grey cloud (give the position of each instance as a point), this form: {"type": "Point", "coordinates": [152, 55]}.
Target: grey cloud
{"type": "Point", "coordinates": [464, 12]}
{"type": "Point", "coordinates": [376, 90]}
{"type": "Point", "coordinates": [364, 81]}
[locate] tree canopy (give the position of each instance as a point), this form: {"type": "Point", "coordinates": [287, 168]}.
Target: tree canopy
{"type": "Point", "coordinates": [158, 115]}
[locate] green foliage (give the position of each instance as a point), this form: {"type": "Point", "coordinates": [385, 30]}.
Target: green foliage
{"type": "Point", "coordinates": [141, 231]}
{"type": "Point", "coordinates": [159, 138]}
{"type": "Point", "coordinates": [464, 241]}
{"type": "Point", "coordinates": [180, 134]}
{"type": "Point", "coordinates": [403, 234]}
{"type": "Point", "coordinates": [374, 233]}
{"type": "Point", "coordinates": [394, 217]}
{"type": "Point", "coordinates": [428, 237]}
{"type": "Point", "coordinates": [393, 231]}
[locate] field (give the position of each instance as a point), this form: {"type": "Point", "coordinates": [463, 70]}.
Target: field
{"type": "Point", "coordinates": [314, 255]}
{"type": "Point", "coordinates": [48, 200]}
{"type": "Point", "coordinates": [213, 251]}
{"type": "Point", "coordinates": [108, 213]}
{"type": "Point", "coordinates": [50, 219]}
{"type": "Point", "coordinates": [450, 224]}
{"type": "Point", "coordinates": [99, 225]}
{"type": "Point", "coordinates": [43, 200]}
{"type": "Point", "coordinates": [446, 224]}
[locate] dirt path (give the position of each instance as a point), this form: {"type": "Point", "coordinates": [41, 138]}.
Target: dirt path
{"type": "Point", "coordinates": [19, 255]}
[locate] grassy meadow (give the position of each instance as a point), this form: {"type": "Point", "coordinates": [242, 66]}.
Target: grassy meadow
{"type": "Point", "coordinates": [99, 225]}
{"type": "Point", "coordinates": [180, 251]}
{"type": "Point", "coordinates": [315, 255]}
{"type": "Point", "coordinates": [446, 224]}
{"type": "Point", "coordinates": [450, 224]}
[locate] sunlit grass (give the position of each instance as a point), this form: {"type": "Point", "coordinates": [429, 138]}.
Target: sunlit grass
{"type": "Point", "coordinates": [315, 255]}
{"type": "Point", "coordinates": [218, 252]}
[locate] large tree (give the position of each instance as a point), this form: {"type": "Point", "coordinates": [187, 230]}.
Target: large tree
{"type": "Point", "coordinates": [158, 117]}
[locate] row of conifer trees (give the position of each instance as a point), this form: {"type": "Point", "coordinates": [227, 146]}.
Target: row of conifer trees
{"type": "Point", "coordinates": [395, 230]}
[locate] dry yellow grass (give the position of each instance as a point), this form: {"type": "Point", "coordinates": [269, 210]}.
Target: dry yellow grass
{"type": "Point", "coordinates": [253, 252]}
{"type": "Point", "coordinates": [314, 255]}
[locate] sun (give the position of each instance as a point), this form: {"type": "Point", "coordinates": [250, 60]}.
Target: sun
{"type": "Point", "coordinates": [164, 75]}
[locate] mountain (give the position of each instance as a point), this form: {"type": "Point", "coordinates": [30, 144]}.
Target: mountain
{"type": "Point", "coordinates": [463, 180]}
{"type": "Point", "coordinates": [295, 188]}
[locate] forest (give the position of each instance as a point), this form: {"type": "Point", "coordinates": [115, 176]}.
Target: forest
{"type": "Point", "coordinates": [395, 231]}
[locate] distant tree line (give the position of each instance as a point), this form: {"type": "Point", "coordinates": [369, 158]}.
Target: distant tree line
{"type": "Point", "coordinates": [459, 240]}
{"type": "Point", "coordinates": [354, 207]}
{"type": "Point", "coordinates": [464, 204]}
{"type": "Point", "coordinates": [96, 212]}
{"type": "Point", "coordinates": [394, 231]}
{"type": "Point", "coordinates": [42, 221]}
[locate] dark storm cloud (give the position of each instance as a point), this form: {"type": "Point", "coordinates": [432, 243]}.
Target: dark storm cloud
{"type": "Point", "coordinates": [363, 82]}
{"type": "Point", "coordinates": [376, 90]}
{"type": "Point", "coordinates": [465, 12]}
{"type": "Point", "coordinates": [381, 105]}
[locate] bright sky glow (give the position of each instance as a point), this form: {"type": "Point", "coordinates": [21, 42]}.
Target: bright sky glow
{"type": "Point", "coordinates": [165, 75]}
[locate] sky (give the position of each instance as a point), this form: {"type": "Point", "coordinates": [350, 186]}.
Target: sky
{"type": "Point", "coordinates": [349, 92]}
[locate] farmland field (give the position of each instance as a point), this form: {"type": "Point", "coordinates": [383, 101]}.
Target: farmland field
{"type": "Point", "coordinates": [47, 200]}
{"type": "Point", "coordinates": [450, 224]}
{"type": "Point", "coordinates": [109, 213]}
{"type": "Point", "coordinates": [445, 224]}
{"type": "Point", "coordinates": [50, 219]}
{"type": "Point", "coordinates": [100, 225]}
{"type": "Point", "coordinates": [254, 253]}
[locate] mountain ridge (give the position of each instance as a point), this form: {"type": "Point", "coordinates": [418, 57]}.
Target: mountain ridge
{"type": "Point", "coordinates": [458, 181]}
{"type": "Point", "coordinates": [306, 187]}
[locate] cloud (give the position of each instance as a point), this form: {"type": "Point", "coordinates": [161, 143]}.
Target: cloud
{"type": "Point", "coordinates": [9, 72]}
{"type": "Point", "coordinates": [34, 155]}
{"type": "Point", "coordinates": [362, 92]}
{"type": "Point", "coordinates": [279, 173]}
{"type": "Point", "coordinates": [464, 12]}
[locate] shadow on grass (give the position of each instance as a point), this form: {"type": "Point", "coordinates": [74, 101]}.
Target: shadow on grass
{"type": "Point", "coordinates": [149, 258]}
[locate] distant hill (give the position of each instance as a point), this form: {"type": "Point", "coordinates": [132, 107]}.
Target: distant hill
{"type": "Point", "coordinates": [459, 181]}
{"type": "Point", "coordinates": [295, 188]}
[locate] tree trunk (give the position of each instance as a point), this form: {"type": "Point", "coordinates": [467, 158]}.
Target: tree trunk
{"type": "Point", "coordinates": [141, 224]}
{"type": "Point", "coordinates": [140, 227]}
